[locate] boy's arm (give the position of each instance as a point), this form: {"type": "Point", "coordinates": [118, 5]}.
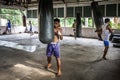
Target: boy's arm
{"type": "Point", "coordinates": [60, 34]}
{"type": "Point", "coordinates": [110, 30]}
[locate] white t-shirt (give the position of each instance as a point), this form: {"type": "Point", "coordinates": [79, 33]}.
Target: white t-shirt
{"type": "Point", "coordinates": [105, 32]}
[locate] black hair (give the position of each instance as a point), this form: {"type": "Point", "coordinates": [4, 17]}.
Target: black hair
{"type": "Point", "coordinates": [74, 20]}
{"type": "Point", "coordinates": [107, 20]}
{"type": "Point", "coordinates": [57, 20]}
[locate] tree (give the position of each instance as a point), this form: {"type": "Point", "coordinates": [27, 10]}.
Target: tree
{"type": "Point", "coordinates": [13, 15]}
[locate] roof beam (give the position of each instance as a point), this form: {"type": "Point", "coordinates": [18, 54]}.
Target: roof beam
{"type": "Point", "coordinates": [12, 7]}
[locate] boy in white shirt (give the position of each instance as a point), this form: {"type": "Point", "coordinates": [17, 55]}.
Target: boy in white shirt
{"type": "Point", "coordinates": [106, 30]}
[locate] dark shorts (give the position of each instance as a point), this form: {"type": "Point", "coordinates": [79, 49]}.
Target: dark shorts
{"type": "Point", "coordinates": [31, 29]}
{"type": "Point", "coordinates": [106, 43]}
{"type": "Point", "coordinates": [53, 49]}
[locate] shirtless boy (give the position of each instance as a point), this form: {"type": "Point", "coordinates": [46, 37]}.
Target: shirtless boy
{"type": "Point", "coordinates": [54, 47]}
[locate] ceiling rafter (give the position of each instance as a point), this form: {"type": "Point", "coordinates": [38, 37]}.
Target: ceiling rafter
{"type": "Point", "coordinates": [30, 3]}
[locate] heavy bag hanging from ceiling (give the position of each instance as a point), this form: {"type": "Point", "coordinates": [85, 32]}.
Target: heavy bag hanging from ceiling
{"type": "Point", "coordinates": [97, 15]}
{"type": "Point", "coordinates": [78, 25]}
{"type": "Point", "coordinates": [45, 15]}
{"type": "Point", "coordinates": [24, 20]}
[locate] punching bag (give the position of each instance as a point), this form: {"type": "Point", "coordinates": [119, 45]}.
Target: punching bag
{"type": "Point", "coordinates": [45, 15]}
{"type": "Point", "coordinates": [24, 20]}
{"type": "Point", "coordinates": [78, 25]}
{"type": "Point", "coordinates": [97, 15]}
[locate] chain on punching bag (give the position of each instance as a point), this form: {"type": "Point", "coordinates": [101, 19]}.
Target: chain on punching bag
{"type": "Point", "coordinates": [45, 14]}
{"type": "Point", "coordinates": [97, 15]}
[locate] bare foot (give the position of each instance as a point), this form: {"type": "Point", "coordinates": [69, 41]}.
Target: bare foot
{"type": "Point", "coordinates": [59, 73]}
{"type": "Point", "coordinates": [104, 58]}
{"type": "Point", "coordinates": [48, 66]}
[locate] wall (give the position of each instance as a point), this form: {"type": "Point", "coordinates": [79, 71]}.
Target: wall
{"type": "Point", "coordinates": [2, 29]}
{"type": "Point", "coordinates": [86, 32]}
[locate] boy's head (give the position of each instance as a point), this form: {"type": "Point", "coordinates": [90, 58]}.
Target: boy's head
{"type": "Point", "coordinates": [29, 22]}
{"type": "Point", "coordinates": [8, 20]}
{"type": "Point", "coordinates": [74, 20]}
{"type": "Point", "coordinates": [107, 20]}
{"type": "Point", "coordinates": [56, 22]}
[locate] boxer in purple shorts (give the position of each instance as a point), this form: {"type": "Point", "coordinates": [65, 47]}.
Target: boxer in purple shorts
{"type": "Point", "coordinates": [53, 48]}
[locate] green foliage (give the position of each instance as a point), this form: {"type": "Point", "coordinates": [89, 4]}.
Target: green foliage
{"type": "Point", "coordinates": [33, 21]}
{"type": "Point", "coordinates": [115, 26]}
{"type": "Point", "coordinates": [9, 11]}
{"type": "Point", "coordinates": [83, 21]}
{"type": "Point", "coordinates": [118, 27]}
{"type": "Point", "coordinates": [61, 22]}
{"type": "Point", "coordinates": [13, 15]}
{"type": "Point", "coordinates": [70, 21]}
{"type": "Point", "coordinates": [90, 22]}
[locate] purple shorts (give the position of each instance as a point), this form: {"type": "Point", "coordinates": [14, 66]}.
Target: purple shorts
{"type": "Point", "coordinates": [53, 49]}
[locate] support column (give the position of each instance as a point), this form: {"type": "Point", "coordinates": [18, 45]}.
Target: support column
{"type": "Point", "coordinates": [65, 11]}
{"type": "Point", "coordinates": [86, 22]}
{"type": "Point", "coordinates": [93, 22]}
{"type": "Point", "coordinates": [0, 20]}
{"type": "Point", "coordinates": [0, 17]}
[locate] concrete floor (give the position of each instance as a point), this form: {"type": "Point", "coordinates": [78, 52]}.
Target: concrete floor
{"type": "Point", "coordinates": [22, 57]}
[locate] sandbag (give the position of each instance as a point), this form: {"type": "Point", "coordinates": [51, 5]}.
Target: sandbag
{"type": "Point", "coordinates": [78, 25]}
{"type": "Point", "coordinates": [45, 15]}
{"type": "Point", "coordinates": [98, 18]}
{"type": "Point", "coordinates": [24, 20]}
